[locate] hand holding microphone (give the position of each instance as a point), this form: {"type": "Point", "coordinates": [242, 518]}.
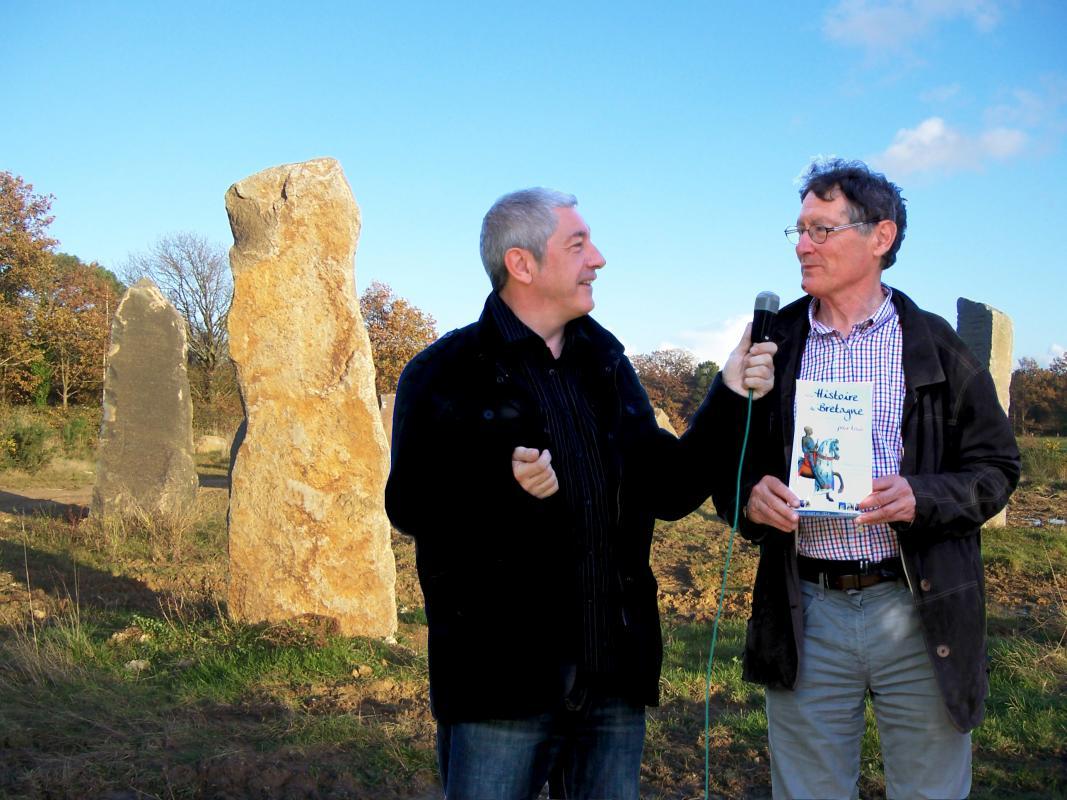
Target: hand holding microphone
{"type": "Point", "coordinates": [750, 366]}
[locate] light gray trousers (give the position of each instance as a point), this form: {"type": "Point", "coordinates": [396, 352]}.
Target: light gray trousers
{"type": "Point", "coordinates": [854, 644]}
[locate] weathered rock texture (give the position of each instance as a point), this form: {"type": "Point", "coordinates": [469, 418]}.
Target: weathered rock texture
{"type": "Point", "coordinates": [988, 333]}
{"type": "Point", "coordinates": [386, 402]}
{"type": "Point", "coordinates": [308, 530]}
{"type": "Point", "coordinates": [145, 457]}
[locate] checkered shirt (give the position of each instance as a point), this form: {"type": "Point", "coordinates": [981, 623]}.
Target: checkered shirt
{"type": "Point", "coordinates": [871, 352]}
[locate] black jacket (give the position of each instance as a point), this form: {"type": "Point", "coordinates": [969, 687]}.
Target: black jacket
{"type": "Point", "coordinates": [961, 460]}
{"type": "Point", "coordinates": [495, 563]}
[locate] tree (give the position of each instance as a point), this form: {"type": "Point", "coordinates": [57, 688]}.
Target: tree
{"type": "Point", "coordinates": [17, 353]}
{"type": "Point", "coordinates": [668, 377]}
{"type": "Point", "coordinates": [74, 304]}
{"type": "Point", "coordinates": [24, 245]}
{"type": "Point", "coordinates": [25, 250]}
{"type": "Point", "coordinates": [702, 378]}
{"type": "Point", "coordinates": [398, 332]}
{"type": "Point", "coordinates": [194, 274]}
{"type": "Point", "coordinates": [1039, 397]}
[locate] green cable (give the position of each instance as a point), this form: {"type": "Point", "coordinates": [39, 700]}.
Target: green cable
{"type": "Point", "coordinates": [718, 611]}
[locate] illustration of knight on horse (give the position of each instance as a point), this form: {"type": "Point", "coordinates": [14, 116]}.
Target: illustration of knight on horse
{"type": "Point", "coordinates": [816, 463]}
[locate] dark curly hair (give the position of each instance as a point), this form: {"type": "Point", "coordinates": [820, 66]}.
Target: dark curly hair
{"type": "Point", "coordinates": [870, 195]}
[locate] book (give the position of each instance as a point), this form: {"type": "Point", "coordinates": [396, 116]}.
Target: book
{"type": "Point", "coordinates": [830, 470]}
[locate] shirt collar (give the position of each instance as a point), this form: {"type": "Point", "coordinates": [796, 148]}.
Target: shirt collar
{"type": "Point", "coordinates": [885, 312]}
{"type": "Point", "coordinates": [512, 329]}
{"type": "Point", "coordinates": [515, 332]}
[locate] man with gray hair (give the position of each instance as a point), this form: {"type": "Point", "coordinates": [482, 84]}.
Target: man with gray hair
{"type": "Point", "coordinates": [529, 468]}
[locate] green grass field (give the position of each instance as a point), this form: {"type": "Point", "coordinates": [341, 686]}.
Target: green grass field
{"type": "Point", "coordinates": [122, 677]}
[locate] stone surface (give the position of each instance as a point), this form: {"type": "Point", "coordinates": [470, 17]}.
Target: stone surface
{"type": "Point", "coordinates": [988, 333]}
{"type": "Point", "coordinates": [663, 420]}
{"type": "Point", "coordinates": [145, 457]}
{"type": "Point", "coordinates": [386, 402]}
{"type": "Point", "coordinates": [307, 528]}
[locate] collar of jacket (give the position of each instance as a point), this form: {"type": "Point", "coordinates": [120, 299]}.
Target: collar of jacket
{"type": "Point", "coordinates": [592, 340]}
{"type": "Point", "coordinates": [919, 354]}
{"type": "Point", "coordinates": [919, 359]}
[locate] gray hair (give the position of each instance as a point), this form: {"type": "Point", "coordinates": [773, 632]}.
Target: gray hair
{"type": "Point", "coordinates": [521, 219]}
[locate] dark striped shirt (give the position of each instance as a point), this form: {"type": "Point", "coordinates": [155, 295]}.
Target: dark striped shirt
{"type": "Point", "coordinates": [573, 436]}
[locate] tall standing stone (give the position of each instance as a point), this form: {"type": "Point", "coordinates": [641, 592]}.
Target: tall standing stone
{"type": "Point", "coordinates": [307, 528]}
{"type": "Point", "coordinates": [145, 457]}
{"type": "Point", "coordinates": [988, 334]}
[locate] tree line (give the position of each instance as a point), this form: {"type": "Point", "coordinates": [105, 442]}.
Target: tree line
{"type": "Point", "coordinates": [56, 312]}
{"type": "Point", "coordinates": [1039, 397]}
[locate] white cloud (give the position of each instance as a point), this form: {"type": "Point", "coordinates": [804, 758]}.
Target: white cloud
{"type": "Point", "coordinates": [1031, 107]}
{"type": "Point", "coordinates": [885, 26]}
{"type": "Point", "coordinates": [713, 343]}
{"type": "Point", "coordinates": [1056, 351]}
{"type": "Point", "coordinates": [933, 146]}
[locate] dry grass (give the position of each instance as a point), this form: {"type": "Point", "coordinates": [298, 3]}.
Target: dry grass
{"type": "Point", "coordinates": [120, 672]}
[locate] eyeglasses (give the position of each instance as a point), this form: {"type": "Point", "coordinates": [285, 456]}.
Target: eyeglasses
{"type": "Point", "coordinates": [818, 233]}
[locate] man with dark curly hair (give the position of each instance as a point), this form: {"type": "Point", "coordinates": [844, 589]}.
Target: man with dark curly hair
{"type": "Point", "coordinates": [888, 604]}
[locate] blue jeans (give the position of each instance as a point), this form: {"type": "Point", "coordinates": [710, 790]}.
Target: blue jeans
{"type": "Point", "coordinates": [587, 753]}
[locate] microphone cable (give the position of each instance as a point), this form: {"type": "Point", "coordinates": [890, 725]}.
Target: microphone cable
{"type": "Point", "coordinates": [718, 611]}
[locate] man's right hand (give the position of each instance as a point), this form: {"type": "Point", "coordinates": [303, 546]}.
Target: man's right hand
{"type": "Point", "coordinates": [533, 470]}
{"type": "Point", "coordinates": [771, 503]}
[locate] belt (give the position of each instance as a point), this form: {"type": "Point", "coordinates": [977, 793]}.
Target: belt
{"type": "Point", "coordinates": [849, 575]}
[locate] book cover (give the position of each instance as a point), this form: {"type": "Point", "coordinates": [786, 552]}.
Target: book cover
{"type": "Point", "coordinates": [832, 447]}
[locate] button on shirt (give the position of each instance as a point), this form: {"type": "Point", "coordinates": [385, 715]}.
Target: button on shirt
{"type": "Point", "coordinates": [871, 352]}
{"type": "Point", "coordinates": [573, 436]}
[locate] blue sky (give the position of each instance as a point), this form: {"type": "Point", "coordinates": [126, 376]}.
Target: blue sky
{"type": "Point", "coordinates": [681, 128]}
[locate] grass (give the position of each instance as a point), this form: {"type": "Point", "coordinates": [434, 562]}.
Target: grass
{"type": "Point", "coordinates": [1044, 460]}
{"type": "Point", "coordinates": [120, 672]}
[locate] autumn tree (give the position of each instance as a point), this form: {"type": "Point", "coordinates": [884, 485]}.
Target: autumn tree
{"type": "Point", "coordinates": [398, 331]}
{"type": "Point", "coordinates": [1039, 397]}
{"type": "Point", "coordinates": [72, 310]}
{"type": "Point", "coordinates": [668, 378]}
{"type": "Point", "coordinates": [25, 250]}
{"type": "Point", "coordinates": [194, 274]}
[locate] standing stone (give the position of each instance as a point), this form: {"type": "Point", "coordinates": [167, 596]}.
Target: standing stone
{"type": "Point", "coordinates": [988, 333]}
{"type": "Point", "coordinates": [386, 402]}
{"type": "Point", "coordinates": [307, 525]}
{"type": "Point", "coordinates": [145, 457]}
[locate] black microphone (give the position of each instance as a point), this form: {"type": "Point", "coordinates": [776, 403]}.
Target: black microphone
{"type": "Point", "coordinates": [763, 316]}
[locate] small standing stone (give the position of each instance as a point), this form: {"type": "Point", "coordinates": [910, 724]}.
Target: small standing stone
{"type": "Point", "coordinates": [145, 457]}
{"type": "Point", "coordinates": [988, 334]}
{"type": "Point", "coordinates": [308, 532]}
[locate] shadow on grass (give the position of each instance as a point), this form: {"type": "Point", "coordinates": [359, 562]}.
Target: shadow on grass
{"type": "Point", "coordinates": [11, 503]}
{"type": "Point", "coordinates": [60, 577]}
{"type": "Point", "coordinates": [209, 481]}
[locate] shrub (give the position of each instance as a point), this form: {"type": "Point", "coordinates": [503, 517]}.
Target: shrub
{"type": "Point", "coordinates": [76, 434]}
{"type": "Point", "coordinates": [26, 446]}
